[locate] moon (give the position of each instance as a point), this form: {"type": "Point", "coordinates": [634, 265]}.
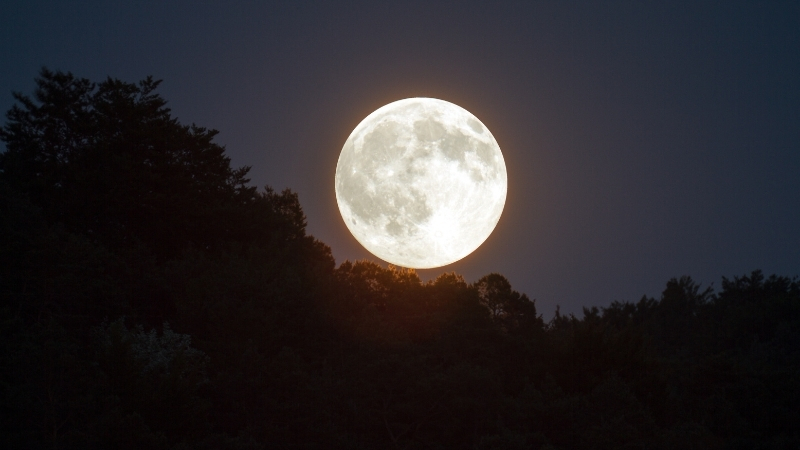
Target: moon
{"type": "Point", "coordinates": [421, 183]}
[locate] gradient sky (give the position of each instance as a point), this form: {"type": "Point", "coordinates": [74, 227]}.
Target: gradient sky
{"type": "Point", "coordinates": [644, 140]}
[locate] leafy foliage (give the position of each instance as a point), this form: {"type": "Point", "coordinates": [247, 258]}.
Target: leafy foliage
{"type": "Point", "coordinates": [152, 299]}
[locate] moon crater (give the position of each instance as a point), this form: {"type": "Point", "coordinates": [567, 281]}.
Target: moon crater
{"type": "Point", "coordinates": [421, 183]}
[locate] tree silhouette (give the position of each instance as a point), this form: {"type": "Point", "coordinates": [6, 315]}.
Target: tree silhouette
{"type": "Point", "coordinates": [507, 307]}
{"type": "Point", "coordinates": [108, 160]}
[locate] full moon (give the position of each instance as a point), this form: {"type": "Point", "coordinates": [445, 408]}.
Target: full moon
{"type": "Point", "coordinates": [421, 183]}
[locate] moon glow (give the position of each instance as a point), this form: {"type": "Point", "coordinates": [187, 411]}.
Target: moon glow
{"type": "Point", "coordinates": [421, 183]}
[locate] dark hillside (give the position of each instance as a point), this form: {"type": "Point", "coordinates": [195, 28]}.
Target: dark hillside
{"type": "Point", "coordinates": [152, 299]}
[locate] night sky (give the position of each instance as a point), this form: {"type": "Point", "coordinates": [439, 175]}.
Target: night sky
{"type": "Point", "coordinates": [642, 141]}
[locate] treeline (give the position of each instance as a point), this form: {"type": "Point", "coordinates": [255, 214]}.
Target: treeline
{"type": "Point", "coordinates": [152, 299]}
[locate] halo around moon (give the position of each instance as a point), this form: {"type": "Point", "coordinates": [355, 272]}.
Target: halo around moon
{"type": "Point", "coordinates": [421, 183]}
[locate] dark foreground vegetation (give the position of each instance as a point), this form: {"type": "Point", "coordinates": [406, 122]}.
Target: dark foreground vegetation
{"type": "Point", "coordinates": [152, 299]}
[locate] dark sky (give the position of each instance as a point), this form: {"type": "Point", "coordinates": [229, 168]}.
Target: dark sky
{"type": "Point", "coordinates": [644, 140]}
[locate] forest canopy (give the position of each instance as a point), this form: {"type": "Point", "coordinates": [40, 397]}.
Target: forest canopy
{"type": "Point", "coordinates": [152, 298]}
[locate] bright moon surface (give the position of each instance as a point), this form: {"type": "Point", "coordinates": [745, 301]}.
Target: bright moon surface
{"type": "Point", "coordinates": [421, 183]}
